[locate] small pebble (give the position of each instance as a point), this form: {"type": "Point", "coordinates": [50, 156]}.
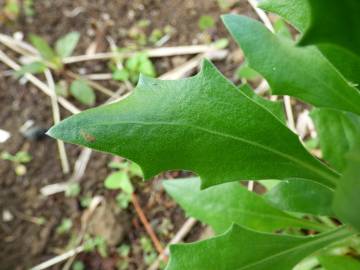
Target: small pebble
{"type": "Point", "coordinates": [4, 136]}
{"type": "Point", "coordinates": [7, 216]}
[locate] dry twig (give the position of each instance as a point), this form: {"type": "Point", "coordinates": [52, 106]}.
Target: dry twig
{"type": "Point", "coordinates": [146, 224]}
{"type": "Point", "coordinates": [153, 53]}
{"type": "Point", "coordinates": [56, 116]}
{"type": "Point", "coordinates": [39, 84]}
{"type": "Point", "coordinates": [180, 235]}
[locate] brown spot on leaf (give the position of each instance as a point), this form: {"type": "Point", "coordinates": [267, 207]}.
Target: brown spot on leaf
{"type": "Point", "coordinates": [87, 136]}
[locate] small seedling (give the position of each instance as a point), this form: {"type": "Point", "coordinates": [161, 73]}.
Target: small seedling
{"type": "Point", "coordinates": [123, 250]}
{"type": "Point", "coordinates": [156, 35]}
{"type": "Point", "coordinates": [226, 4]}
{"type": "Point", "coordinates": [132, 67]}
{"type": "Point", "coordinates": [83, 92]}
{"type": "Point", "coordinates": [73, 189]}
{"type": "Point", "coordinates": [78, 265]}
{"type": "Point", "coordinates": [85, 201]}
{"type": "Point", "coordinates": [49, 57]}
{"type": "Point", "coordinates": [97, 243]}
{"type": "Point", "coordinates": [12, 9]}
{"type": "Point", "coordinates": [149, 252]}
{"type": "Point", "coordinates": [65, 226]}
{"type": "Point", "coordinates": [165, 227]}
{"type": "Point", "coordinates": [18, 160]}
{"type": "Point", "coordinates": [121, 180]}
{"type": "Point", "coordinates": [206, 22]}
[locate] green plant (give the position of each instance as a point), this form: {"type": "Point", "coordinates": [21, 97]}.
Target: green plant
{"type": "Point", "coordinates": [12, 8]}
{"type": "Point", "coordinates": [73, 189]}
{"type": "Point", "coordinates": [206, 22]}
{"type": "Point", "coordinates": [123, 251]}
{"type": "Point", "coordinates": [50, 57]}
{"type": "Point", "coordinates": [131, 68]}
{"type": "Point", "coordinates": [18, 160]}
{"type": "Point", "coordinates": [65, 226]}
{"type": "Point", "coordinates": [149, 252]}
{"type": "Point", "coordinates": [83, 92]}
{"type": "Point", "coordinates": [226, 133]}
{"type": "Point", "coordinates": [121, 180]}
{"type": "Point", "coordinates": [97, 243]}
{"type": "Point", "coordinates": [78, 265]}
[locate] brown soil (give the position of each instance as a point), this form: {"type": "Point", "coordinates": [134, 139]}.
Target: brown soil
{"type": "Point", "coordinates": [23, 242]}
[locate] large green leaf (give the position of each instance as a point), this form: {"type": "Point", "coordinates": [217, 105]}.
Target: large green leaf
{"type": "Point", "coordinates": [302, 196]}
{"type": "Point", "coordinates": [241, 249]}
{"type": "Point", "coordinates": [297, 12]}
{"type": "Point", "coordinates": [334, 22]}
{"type": "Point", "coordinates": [302, 72]}
{"type": "Point", "coordinates": [338, 132]}
{"type": "Point", "coordinates": [347, 200]}
{"type": "Point", "coordinates": [339, 262]}
{"type": "Point", "coordinates": [229, 203]}
{"type": "Point", "coordinates": [203, 124]}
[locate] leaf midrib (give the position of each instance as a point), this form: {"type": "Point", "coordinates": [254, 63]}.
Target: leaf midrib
{"type": "Point", "coordinates": [237, 138]}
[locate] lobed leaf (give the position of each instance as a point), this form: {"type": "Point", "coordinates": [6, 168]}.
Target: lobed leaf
{"type": "Point", "coordinates": [202, 124]}
{"type": "Point", "coordinates": [241, 249]}
{"type": "Point", "coordinates": [229, 203]}
{"type": "Point", "coordinates": [300, 72]}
